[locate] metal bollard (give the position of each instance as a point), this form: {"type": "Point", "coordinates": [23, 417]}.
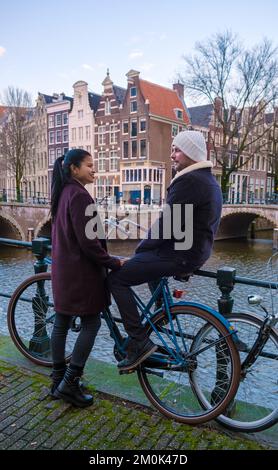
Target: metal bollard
{"type": "Point", "coordinates": [225, 282]}
{"type": "Point", "coordinates": [39, 248]}
{"type": "Point", "coordinates": [40, 341]}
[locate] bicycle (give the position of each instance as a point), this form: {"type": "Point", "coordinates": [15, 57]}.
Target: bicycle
{"type": "Point", "coordinates": [255, 406]}
{"type": "Point", "coordinates": [191, 378]}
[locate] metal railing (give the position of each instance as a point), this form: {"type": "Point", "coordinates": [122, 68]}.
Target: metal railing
{"type": "Point", "coordinates": [226, 276]}
{"type": "Point", "coordinates": [242, 199]}
{"type": "Point", "coordinates": [23, 197]}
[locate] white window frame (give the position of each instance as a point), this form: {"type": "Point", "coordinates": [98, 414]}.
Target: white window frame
{"type": "Point", "coordinates": [51, 156]}
{"type": "Point", "coordinates": [107, 107]}
{"type": "Point", "coordinates": [176, 127]}
{"type": "Point", "coordinates": [51, 121]}
{"type": "Point", "coordinates": [133, 88]}
{"type": "Point", "coordinates": [65, 133]}
{"type": "Point", "coordinates": [143, 156]}
{"type": "Point", "coordinates": [125, 133]}
{"type": "Point", "coordinates": [131, 110]}
{"type": "Point", "coordinates": [101, 162]}
{"type": "Point", "coordinates": [101, 135]}
{"type": "Point", "coordinates": [133, 121]}
{"type": "Point", "coordinates": [51, 137]}
{"type": "Point", "coordinates": [125, 158]}
{"type": "Point", "coordinates": [58, 115]}
{"type": "Point", "coordinates": [65, 119]}
{"type": "Point", "coordinates": [113, 133]}
{"type": "Point", "coordinates": [113, 161]}
{"type": "Point", "coordinates": [145, 121]}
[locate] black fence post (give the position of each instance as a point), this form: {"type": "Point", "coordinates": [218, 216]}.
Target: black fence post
{"type": "Point", "coordinates": [225, 282]}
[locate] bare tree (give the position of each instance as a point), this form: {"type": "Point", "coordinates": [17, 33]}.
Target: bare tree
{"type": "Point", "coordinates": [15, 133]}
{"type": "Point", "coordinates": [241, 84]}
{"type": "Point", "coordinates": [273, 148]}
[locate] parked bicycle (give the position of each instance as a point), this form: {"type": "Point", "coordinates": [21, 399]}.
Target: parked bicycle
{"type": "Point", "coordinates": [256, 405]}
{"type": "Point", "coordinates": [193, 375]}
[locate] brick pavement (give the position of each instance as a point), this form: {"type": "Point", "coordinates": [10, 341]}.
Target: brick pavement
{"type": "Point", "coordinates": [30, 419]}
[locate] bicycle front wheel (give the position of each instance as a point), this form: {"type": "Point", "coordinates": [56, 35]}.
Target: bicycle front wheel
{"type": "Point", "coordinates": [31, 317]}
{"type": "Point", "coordinates": [255, 407]}
{"type": "Point", "coordinates": [186, 364]}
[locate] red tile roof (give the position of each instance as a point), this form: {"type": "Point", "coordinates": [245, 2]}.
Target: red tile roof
{"type": "Point", "coordinates": [163, 101]}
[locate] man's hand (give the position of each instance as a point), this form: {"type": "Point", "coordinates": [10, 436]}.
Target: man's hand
{"type": "Point", "coordinates": [123, 261]}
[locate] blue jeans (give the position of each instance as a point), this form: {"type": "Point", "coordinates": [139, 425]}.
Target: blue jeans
{"type": "Point", "coordinates": [143, 267]}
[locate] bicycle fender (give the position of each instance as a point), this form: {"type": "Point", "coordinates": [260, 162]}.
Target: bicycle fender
{"type": "Point", "coordinates": [212, 312]}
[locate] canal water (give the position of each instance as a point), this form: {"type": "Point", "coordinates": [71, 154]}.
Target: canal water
{"type": "Point", "coordinates": [248, 257]}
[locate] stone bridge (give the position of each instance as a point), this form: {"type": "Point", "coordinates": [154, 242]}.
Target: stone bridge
{"type": "Point", "coordinates": [24, 222]}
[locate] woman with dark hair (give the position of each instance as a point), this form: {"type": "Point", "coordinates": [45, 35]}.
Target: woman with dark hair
{"type": "Point", "coordinates": [79, 267]}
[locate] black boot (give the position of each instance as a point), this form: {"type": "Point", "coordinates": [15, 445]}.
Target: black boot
{"type": "Point", "coordinates": [70, 391]}
{"type": "Point", "coordinates": [57, 377]}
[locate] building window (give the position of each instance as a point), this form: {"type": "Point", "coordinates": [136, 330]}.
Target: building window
{"type": "Point", "coordinates": [51, 137]}
{"type": "Point", "coordinates": [88, 133]}
{"type": "Point", "coordinates": [51, 156]}
{"type": "Point", "coordinates": [65, 119]}
{"type": "Point", "coordinates": [65, 149]}
{"type": "Point", "coordinates": [133, 91]}
{"type": "Point", "coordinates": [88, 148]}
{"type": "Point", "coordinates": [107, 108]}
{"type": "Point", "coordinates": [143, 148]}
{"type": "Point", "coordinates": [58, 119]}
{"type": "Point", "coordinates": [65, 135]}
{"type": "Point", "coordinates": [80, 114]}
{"type": "Point", "coordinates": [58, 152]}
{"type": "Point", "coordinates": [134, 149]}
{"type": "Point", "coordinates": [133, 130]}
{"type": "Point", "coordinates": [73, 134]}
{"type": "Point", "coordinates": [125, 149]}
{"type": "Point", "coordinates": [133, 106]}
{"type": "Point", "coordinates": [142, 125]}
{"type": "Point", "coordinates": [58, 137]}
{"type": "Point", "coordinates": [101, 135]}
{"type": "Point", "coordinates": [113, 133]}
{"type": "Point", "coordinates": [113, 161]}
{"type": "Point", "coordinates": [101, 161]}
{"type": "Point", "coordinates": [178, 113]}
{"type": "Point", "coordinates": [80, 133]}
{"type": "Point", "coordinates": [125, 127]}
{"type": "Point", "coordinates": [51, 120]}
{"type": "Point", "coordinates": [175, 130]}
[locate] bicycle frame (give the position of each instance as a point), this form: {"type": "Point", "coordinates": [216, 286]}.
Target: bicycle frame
{"type": "Point", "coordinates": [175, 354]}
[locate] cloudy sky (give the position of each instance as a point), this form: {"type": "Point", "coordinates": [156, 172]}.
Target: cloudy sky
{"type": "Point", "coordinates": [47, 46]}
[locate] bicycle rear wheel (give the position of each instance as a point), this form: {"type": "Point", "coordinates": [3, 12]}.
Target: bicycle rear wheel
{"type": "Point", "coordinates": [183, 365]}
{"type": "Point", "coordinates": [255, 406]}
{"type": "Point", "coordinates": [31, 317]}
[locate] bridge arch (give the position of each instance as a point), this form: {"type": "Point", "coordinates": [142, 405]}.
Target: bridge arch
{"type": "Point", "coordinates": [236, 221]}
{"type": "Point", "coordinates": [9, 228]}
{"type": "Point", "coordinates": [43, 229]}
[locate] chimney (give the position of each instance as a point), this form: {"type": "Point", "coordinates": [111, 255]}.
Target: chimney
{"type": "Point", "coordinates": [179, 87]}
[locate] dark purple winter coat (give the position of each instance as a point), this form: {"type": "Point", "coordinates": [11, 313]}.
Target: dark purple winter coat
{"type": "Point", "coordinates": [78, 263]}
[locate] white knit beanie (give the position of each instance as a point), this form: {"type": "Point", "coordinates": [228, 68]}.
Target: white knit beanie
{"type": "Point", "coordinates": [192, 144]}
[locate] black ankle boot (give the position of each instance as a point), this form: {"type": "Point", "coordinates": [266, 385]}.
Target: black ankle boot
{"type": "Point", "coordinates": [57, 377]}
{"type": "Point", "coordinates": [70, 391]}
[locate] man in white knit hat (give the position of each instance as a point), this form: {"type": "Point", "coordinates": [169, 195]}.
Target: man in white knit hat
{"type": "Point", "coordinates": [193, 185]}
